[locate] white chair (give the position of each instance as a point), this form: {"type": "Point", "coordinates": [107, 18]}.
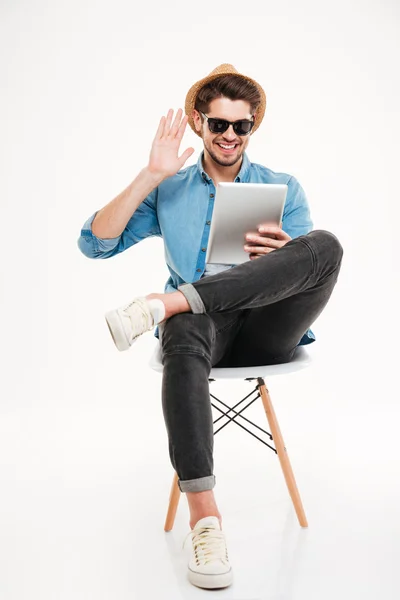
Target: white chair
{"type": "Point", "coordinates": [301, 359]}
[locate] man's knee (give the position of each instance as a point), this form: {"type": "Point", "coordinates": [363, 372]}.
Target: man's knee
{"type": "Point", "coordinates": [187, 333]}
{"type": "Point", "coordinates": [327, 245]}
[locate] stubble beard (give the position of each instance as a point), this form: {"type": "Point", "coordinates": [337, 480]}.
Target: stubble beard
{"type": "Point", "coordinates": [229, 160]}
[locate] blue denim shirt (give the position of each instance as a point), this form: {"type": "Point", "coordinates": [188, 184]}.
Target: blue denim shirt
{"type": "Point", "coordinates": [179, 211]}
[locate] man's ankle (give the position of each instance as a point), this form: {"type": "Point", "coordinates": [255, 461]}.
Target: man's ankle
{"type": "Point", "coordinates": [174, 302]}
{"type": "Point", "coordinates": [193, 522]}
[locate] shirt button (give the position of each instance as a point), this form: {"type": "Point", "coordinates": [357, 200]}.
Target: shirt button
{"type": "Point", "coordinates": [198, 270]}
{"type": "Point", "coordinates": [208, 222]}
{"type": "Point", "coordinates": [211, 195]}
{"type": "Point", "coordinates": [203, 249]}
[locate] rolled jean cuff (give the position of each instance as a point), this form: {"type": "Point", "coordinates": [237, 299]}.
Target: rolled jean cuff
{"type": "Point", "coordinates": [193, 298]}
{"type": "Point", "coordinates": [197, 485]}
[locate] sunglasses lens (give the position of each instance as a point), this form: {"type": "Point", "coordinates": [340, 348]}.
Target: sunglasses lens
{"type": "Point", "coordinates": [218, 125]}
{"type": "Point", "coordinates": [243, 127]}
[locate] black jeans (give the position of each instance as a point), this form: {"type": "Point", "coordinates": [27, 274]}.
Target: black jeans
{"type": "Point", "coordinates": [253, 314]}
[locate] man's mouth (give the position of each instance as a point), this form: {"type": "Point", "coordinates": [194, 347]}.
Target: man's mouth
{"type": "Point", "coordinates": [227, 148]}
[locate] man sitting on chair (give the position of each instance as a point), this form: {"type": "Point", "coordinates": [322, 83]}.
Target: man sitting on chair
{"type": "Point", "coordinates": [254, 313]}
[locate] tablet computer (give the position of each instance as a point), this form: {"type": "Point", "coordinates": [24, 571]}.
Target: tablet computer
{"type": "Point", "coordinates": [240, 208]}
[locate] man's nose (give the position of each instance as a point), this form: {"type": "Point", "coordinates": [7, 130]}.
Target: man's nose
{"type": "Point", "coordinates": [229, 134]}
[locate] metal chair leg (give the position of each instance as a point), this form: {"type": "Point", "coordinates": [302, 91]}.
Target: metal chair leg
{"type": "Point", "coordinates": [282, 454]}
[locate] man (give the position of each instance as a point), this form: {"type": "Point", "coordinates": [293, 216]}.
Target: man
{"type": "Point", "coordinates": [255, 313]}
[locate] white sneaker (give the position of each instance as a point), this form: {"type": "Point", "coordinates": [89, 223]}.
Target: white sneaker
{"type": "Point", "coordinates": [209, 564]}
{"type": "Point", "coordinates": [128, 322]}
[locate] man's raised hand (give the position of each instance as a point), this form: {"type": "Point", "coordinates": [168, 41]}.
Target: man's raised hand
{"type": "Point", "coordinates": [164, 160]}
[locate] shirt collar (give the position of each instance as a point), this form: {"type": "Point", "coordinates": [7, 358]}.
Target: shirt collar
{"type": "Point", "coordinates": [241, 176]}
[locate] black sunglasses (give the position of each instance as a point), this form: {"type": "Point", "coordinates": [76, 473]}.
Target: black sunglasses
{"type": "Point", "coordinates": [241, 127]}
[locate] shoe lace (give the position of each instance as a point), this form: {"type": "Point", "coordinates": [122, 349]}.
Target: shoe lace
{"type": "Point", "coordinates": [146, 318]}
{"type": "Point", "coordinates": [208, 545]}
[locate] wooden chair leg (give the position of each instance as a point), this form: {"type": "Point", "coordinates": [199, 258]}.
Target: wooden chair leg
{"type": "Point", "coordinates": [174, 497]}
{"type": "Point", "coordinates": [283, 456]}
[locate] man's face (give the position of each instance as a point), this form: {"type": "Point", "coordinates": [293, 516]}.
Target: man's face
{"type": "Point", "coordinates": [231, 110]}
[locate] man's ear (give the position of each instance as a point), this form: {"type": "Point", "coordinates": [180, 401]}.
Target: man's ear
{"type": "Point", "coordinates": [254, 117]}
{"type": "Point", "coordinates": [196, 120]}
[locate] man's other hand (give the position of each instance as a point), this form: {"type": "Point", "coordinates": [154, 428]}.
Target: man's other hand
{"type": "Point", "coordinates": [267, 239]}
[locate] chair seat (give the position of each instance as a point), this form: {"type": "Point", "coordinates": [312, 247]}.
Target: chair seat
{"type": "Point", "coordinates": [300, 360]}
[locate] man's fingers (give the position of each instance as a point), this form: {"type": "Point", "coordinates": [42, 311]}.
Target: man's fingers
{"type": "Point", "coordinates": [168, 122]}
{"type": "Point", "coordinates": [274, 231]}
{"type": "Point", "coordinates": [182, 127]}
{"type": "Point", "coordinates": [263, 241]}
{"type": "Point", "coordinates": [160, 129]}
{"type": "Point", "coordinates": [254, 256]}
{"type": "Point", "coordinates": [176, 123]}
{"type": "Point", "coordinates": [258, 249]}
{"type": "Point", "coordinates": [176, 130]}
{"type": "Point", "coordinates": [183, 158]}
{"type": "Point", "coordinates": [269, 229]}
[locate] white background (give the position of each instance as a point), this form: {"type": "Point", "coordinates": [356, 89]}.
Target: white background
{"type": "Point", "coordinates": [85, 471]}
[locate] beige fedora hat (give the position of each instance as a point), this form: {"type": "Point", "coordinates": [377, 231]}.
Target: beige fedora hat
{"type": "Point", "coordinates": [224, 69]}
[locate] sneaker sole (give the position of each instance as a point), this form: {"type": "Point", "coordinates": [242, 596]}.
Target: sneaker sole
{"type": "Point", "coordinates": [211, 582]}
{"type": "Point", "coordinates": [117, 330]}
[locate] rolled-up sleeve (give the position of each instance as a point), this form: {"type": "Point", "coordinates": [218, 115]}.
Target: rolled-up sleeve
{"type": "Point", "coordinates": [296, 219]}
{"type": "Point", "coordinates": [142, 224]}
{"type": "Point", "coordinates": [91, 245]}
